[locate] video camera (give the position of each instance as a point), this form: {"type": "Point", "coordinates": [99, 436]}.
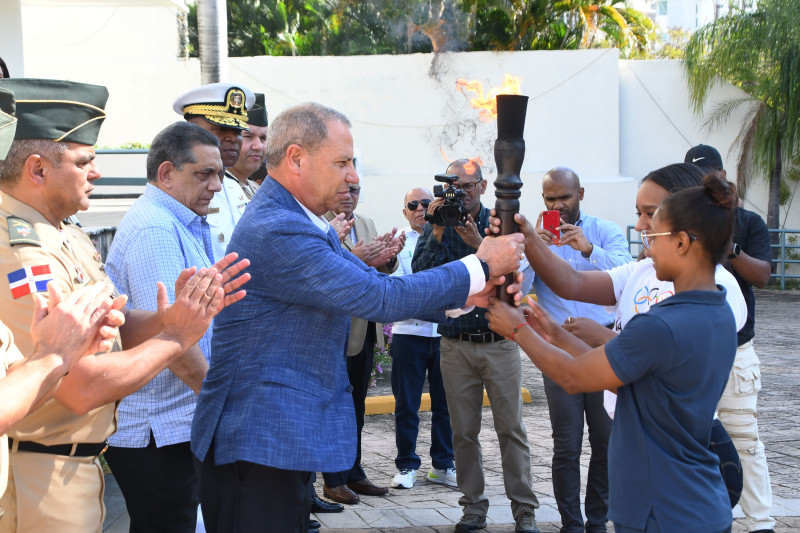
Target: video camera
{"type": "Point", "coordinates": [452, 211]}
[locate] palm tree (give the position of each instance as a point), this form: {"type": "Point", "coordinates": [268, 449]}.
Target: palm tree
{"type": "Point", "coordinates": [558, 25]}
{"type": "Point", "coordinates": [759, 52]}
{"type": "Point", "coordinates": [212, 36]}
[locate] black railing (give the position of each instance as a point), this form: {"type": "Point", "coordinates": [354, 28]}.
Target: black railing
{"type": "Point", "coordinates": [787, 253]}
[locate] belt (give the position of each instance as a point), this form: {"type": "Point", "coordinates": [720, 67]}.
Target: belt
{"type": "Point", "coordinates": [479, 338]}
{"type": "Point", "coordinates": [90, 449]}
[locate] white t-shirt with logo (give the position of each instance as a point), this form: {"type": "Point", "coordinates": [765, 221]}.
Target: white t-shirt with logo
{"type": "Point", "coordinates": [636, 288]}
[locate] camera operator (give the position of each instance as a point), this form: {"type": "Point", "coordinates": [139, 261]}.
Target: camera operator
{"type": "Point", "coordinates": [473, 356]}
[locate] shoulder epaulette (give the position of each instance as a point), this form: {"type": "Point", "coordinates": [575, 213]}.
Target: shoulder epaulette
{"type": "Point", "coordinates": [21, 232]}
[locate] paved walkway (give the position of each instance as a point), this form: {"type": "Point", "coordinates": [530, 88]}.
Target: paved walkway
{"type": "Point", "coordinates": [429, 508]}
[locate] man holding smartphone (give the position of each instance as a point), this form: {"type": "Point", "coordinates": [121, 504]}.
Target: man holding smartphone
{"type": "Point", "coordinates": [586, 243]}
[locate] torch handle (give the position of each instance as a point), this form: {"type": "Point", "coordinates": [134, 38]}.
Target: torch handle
{"type": "Point", "coordinates": [506, 209]}
{"type": "Point", "coordinates": [509, 151]}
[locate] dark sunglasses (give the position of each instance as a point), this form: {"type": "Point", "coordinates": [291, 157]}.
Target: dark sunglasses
{"type": "Point", "coordinates": [414, 204]}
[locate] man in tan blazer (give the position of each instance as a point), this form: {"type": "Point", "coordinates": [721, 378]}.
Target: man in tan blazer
{"type": "Point", "coordinates": [379, 252]}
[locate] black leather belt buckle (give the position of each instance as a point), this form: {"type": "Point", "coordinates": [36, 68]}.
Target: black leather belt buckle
{"type": "Point", "coordinates": [479, 338]}
{"type": "Point", "coordinates": [91, 449]}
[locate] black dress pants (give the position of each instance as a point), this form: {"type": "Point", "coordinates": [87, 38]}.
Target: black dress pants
{"type": "Point", "coordinates": [159, 486]}
{"type": "Point", "coordinates": [244, 497]}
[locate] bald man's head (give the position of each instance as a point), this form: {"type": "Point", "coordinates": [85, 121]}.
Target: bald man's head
{"type": "Point", "coordinates": [564, 175]}
{"type": "Point", "coordinates": [419, 199]}
{"type": "Point", "coordinates": [562, 191]}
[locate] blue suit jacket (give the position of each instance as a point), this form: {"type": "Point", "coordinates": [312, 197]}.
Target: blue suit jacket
{"type": "Point", "coordinates": [277, 392]}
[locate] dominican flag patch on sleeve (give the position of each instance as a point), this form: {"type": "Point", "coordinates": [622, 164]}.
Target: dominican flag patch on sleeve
{"type": "Point", "coordinates": [27, 280]}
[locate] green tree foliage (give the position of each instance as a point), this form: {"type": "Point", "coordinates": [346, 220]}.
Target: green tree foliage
{"type": "Point", "coordinates": [758, 51]}
{"type": "Point", "coordinates": [348, 27]}
{"type": "Point", "coordinates": [671, 44]}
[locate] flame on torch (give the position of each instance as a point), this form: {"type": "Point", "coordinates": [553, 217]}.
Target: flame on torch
{"type": "Point", "coordinates": [487, 104]}
{"type": "Point", "coordinates": [470, 167]}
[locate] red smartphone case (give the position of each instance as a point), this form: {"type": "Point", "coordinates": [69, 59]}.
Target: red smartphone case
{"type": "Point", "coordinates": [550, 221]}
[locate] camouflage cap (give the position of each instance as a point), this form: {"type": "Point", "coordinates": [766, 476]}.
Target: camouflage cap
{"type": "Point", "coordinates": [8, 122]}
{"type": "Point", "coordinates": [257, 115]}
{"type": "Point", "coordinates": [57, 110]}
{"type": "Point", "coordinates": [219, 103]}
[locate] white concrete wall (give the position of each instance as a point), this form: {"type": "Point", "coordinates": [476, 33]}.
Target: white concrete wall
{"type": "Point", "coordinates": [405, 118]}
{"type": "Point", "coordinates": [11, 36]}
{"type": "Point", "coordinates": [657, 127]}
{"type": "Point", "coordinates": [131, 49]}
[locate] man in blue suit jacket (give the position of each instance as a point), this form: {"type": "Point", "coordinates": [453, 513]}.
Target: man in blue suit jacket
{"type": "Point", "coordinates": [276, 404]}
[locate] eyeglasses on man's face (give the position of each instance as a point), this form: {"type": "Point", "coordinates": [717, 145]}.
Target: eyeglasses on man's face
{"type": "Point", "coordinates": [414, 204]}
{"type": "Point", "coordinates": [647, 237]}
{"type": "Point", "coordinates": [470, 186]}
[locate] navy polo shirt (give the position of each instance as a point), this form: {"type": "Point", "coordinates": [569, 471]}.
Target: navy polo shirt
{"type": "Point", "coordinates": [674, 361]}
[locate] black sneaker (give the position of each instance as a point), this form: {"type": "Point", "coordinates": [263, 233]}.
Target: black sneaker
{"type": "Point", "coordinates": [471, 522]}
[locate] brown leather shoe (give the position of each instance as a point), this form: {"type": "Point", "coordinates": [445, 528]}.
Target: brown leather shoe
{"type": "Point", "coordinates": [341, 494]}
{"type": "Point", "coordinates": [368, 488]}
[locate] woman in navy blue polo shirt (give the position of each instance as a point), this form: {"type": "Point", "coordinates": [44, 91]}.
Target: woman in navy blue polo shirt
{"type": "Point", "coordinates": [669, 367]}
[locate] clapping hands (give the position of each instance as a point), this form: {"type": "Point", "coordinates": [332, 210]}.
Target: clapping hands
{"type": "Point", "coordinates": [381, 249]}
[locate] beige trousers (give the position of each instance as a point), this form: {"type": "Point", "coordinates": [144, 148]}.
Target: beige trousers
{"type": "Point", "coordinates": [53, 494]}
{"type": "Point", "coordinates": [466, 368]}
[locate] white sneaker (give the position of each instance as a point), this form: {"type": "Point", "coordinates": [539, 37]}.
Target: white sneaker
{"type": "Point", "coordinates": [445, 477]}
{"type": "Point", "coordinates": [404, 479]}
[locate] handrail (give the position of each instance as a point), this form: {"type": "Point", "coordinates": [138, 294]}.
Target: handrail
{"type": "Point", "coordinates": [786, 252]}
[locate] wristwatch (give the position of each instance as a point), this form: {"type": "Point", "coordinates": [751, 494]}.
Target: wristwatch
{"type": "Point", "coordinates": [736, 251]}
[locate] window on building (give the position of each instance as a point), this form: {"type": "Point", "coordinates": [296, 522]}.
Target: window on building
{"type": "Point", "coordinates": [660, 7]}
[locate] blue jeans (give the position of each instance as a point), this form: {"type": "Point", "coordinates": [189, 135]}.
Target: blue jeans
{"type": "Point", "coordinates": [412, 357]}
{"type": "Point", "coordinates": [566, 418]}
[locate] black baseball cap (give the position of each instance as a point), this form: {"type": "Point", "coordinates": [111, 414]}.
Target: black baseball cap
{"type": "Point", "coordinates": [704, 156]}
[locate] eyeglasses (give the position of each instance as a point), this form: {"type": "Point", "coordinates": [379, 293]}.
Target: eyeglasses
{"type": "Point", "coordinates": [647, 237]}
{"type": "Point", "coordinates": [355, 190]}
{"type": "Point", "coordinates": [469, 187]}
{"type": "Point", "coordinates": [414, 204]}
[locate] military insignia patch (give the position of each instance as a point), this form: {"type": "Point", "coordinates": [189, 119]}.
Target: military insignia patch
{"type": "Point", "coordinates": [21, 232]}
{"type": "Point", "coordinates": [235, 98]}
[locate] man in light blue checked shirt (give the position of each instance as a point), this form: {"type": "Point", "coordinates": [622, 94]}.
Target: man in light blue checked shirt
{"type": "Point", "coordinates": [164, 232]}
{"type": "Point", "coordinates": [586, 243]}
